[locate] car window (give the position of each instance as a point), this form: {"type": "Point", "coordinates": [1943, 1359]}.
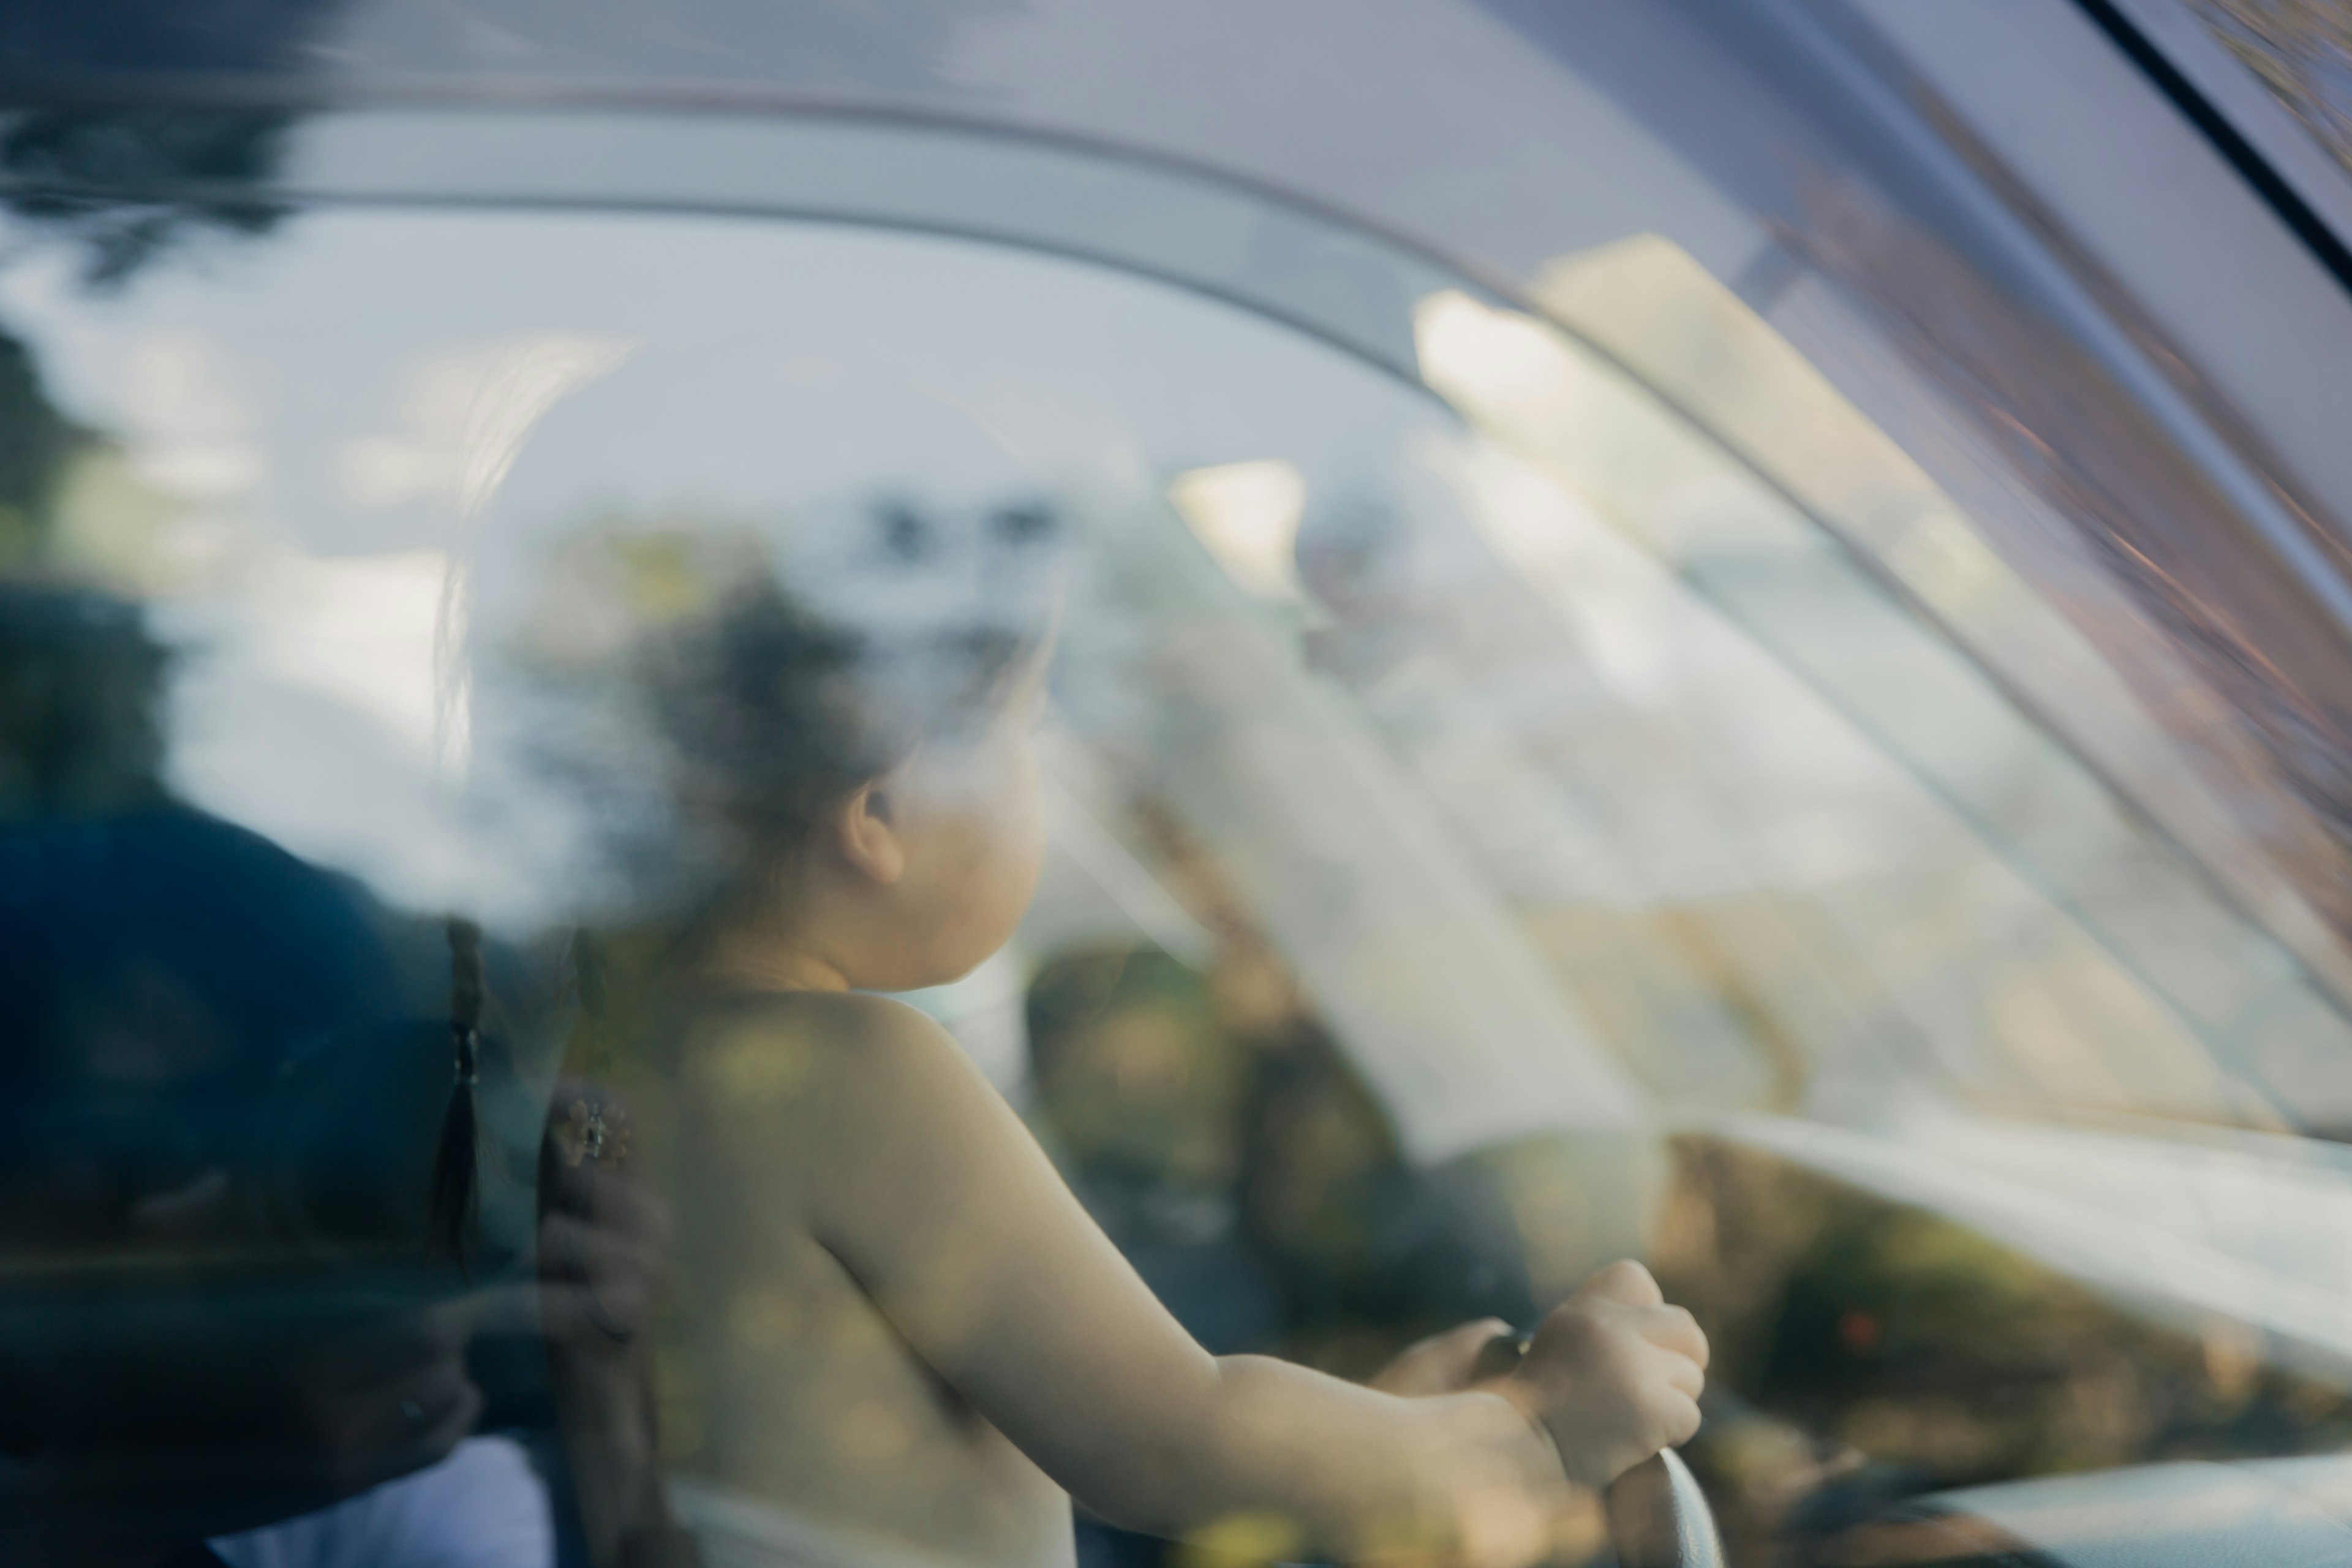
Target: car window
{"type": "Point", "coordinates": [2301, 53]}
{"type": "Point", "coordinates": [1514, 788]}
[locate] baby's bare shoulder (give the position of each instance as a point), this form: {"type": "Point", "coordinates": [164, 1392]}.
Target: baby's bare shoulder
{"type": "Point", "coordinates": [808, 1051]}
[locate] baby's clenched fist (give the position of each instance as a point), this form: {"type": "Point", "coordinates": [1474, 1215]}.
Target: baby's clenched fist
{"type": "Point", "coordinates": [1613, 1374]}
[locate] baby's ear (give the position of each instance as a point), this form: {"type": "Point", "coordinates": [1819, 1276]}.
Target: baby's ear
{"type": "Point", "coordinates": [868, 829]}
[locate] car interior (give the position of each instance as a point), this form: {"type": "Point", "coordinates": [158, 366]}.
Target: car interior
{"type": "Point", "coordinates": [1522, 789]}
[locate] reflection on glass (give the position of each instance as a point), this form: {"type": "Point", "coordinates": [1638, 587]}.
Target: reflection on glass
{"type": "Point", "coordinates": [2302, 53]}
{"type": "Point", "coordinates": [1478, 828]}
{"type": "Point", "coordinates": [220, 1307]}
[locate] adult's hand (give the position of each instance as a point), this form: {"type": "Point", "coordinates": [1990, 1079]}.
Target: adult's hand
{"type": "Point", "coordinates": [604, 1249]}
{"type": "Point", "coordinates": [604, 1236]}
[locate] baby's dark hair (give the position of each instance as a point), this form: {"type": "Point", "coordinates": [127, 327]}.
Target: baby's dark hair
{"type": "Point", "coordinates": [747, 709]}
{"type": "Point", "coordinates": [774, 706]}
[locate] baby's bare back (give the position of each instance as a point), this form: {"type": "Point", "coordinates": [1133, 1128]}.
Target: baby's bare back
{"type": "Point", "coordinates": [783, 1382]}
{"type": "Point", "coordinates": [873, 1252]}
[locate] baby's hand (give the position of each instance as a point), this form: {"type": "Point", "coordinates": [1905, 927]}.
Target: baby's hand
{"type": "Point", "coordinates": [1613, 1374]}
{"type": "Point", "coordinates": [1442, 1364]}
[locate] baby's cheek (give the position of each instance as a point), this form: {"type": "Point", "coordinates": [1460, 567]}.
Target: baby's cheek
{"type": "Point", "coordinates": [1015, 855]}
{"type": "Point", "coordinates": [1015, 852]}
{"type": "Point", "coordinates": [1016, 817]}
{"type": "Point", "coordinates": [1027, 843]}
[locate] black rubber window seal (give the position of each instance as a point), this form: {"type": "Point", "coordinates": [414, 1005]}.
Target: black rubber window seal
{"type": "Point", "coordinates": [2322, 241]}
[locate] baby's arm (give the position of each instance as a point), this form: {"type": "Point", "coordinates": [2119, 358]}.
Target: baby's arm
{"type": "Point", "coordinates": [937, 1199]}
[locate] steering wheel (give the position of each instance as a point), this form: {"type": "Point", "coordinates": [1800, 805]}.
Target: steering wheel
{"type": "Point", "coordinates": [1659, 1518]}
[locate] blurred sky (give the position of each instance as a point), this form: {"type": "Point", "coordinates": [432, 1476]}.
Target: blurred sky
{"type": "Point", "coordinates": [317, 407]}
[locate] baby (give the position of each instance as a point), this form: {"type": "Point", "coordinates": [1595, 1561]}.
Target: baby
{"type": "Point", "coordinates": [890, 1313]}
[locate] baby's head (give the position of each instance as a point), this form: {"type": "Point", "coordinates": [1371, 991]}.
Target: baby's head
{"type": "Point", "coordinates": [754, 646]}
{"type": "Point", "coordinates": [876, 765]}
{"type": "Point", "coordinates": [839, 734]}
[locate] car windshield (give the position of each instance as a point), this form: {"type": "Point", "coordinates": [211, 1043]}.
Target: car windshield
{"type": "Point", "coordinates": [1516, 789]}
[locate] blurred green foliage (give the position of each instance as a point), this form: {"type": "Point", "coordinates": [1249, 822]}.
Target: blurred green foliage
{"type": "Point", "coordinates": [1858, 1335]}
{"type": "Point", "coordinates": [36, 440]}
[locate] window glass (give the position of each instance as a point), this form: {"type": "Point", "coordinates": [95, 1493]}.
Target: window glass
{"type": "Point", "coordinates": [1456, 774]}
{"type": "Point", "coordinates": [1782, 735]}
{"type": "Point", "coordinates": [2302, 52]}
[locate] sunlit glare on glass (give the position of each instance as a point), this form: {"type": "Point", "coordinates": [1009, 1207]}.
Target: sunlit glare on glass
{"type": "Point", "coordinates": [1246, 514]}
